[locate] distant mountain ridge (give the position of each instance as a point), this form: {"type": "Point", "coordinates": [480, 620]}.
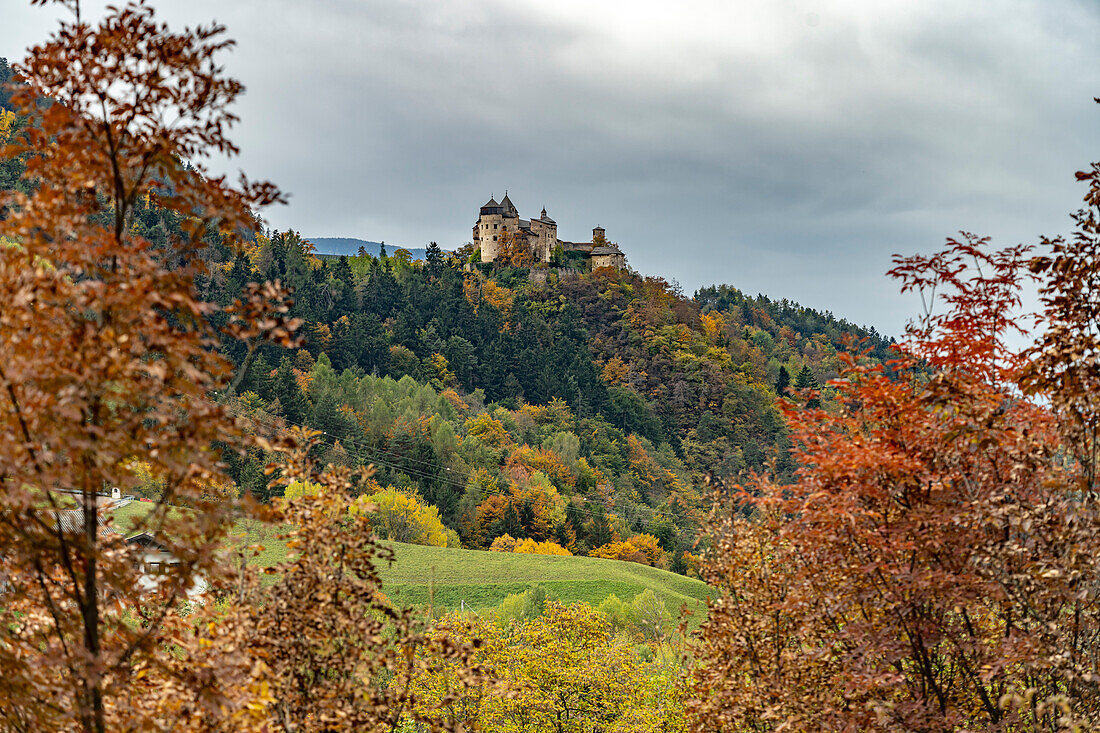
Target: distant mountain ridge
{"type": "Point", "coordinates": [350, 246]}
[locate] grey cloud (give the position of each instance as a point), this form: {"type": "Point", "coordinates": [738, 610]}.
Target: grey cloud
{"type": "Point", "coordinates": [785, 147]}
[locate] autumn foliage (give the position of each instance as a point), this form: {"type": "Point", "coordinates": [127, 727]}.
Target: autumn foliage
{"type": "Point", "coordinates": [563, 670]}
{"type": "Point", "coordinates": [642, 548]}
{"type": "Point", "coordinates": [932, 567]}
{"type": "Point", "coordinates": [107, 357]}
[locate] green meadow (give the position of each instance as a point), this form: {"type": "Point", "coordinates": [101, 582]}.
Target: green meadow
{"type": "Point", "coordinates": [445, 579]}
{"type": "Point", "coordinates": [448, 579]}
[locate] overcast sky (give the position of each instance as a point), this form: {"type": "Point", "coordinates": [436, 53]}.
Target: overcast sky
{"type": "Point", "coordinates": [783, 146]}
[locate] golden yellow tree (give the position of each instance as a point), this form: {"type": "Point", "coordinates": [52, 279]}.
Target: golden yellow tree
{"type": "Point", "coordinates": [563, 671]}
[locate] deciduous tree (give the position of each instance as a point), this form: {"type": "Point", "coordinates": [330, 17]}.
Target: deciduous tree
{"type": "Point", "coordinates": [932, 567]}
{"type": "Point", "coordinates": [107, 356]}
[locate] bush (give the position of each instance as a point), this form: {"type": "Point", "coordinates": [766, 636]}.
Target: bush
{"type": "Point", "coordinates": [618, 613]}
{"type": "Point", "coordinates": [648, 545]}
{"type": "Point", "coordinates": [504, 543]}
{"type": "Point", "coordinates": [521, 607]}
{"type": "Point", "coordinates": [650, 615]}
{"type": "Point", "coordinates": [530, 547]}
{"type": "Point", "coordinates": [402, 518]}
{"type": "Point", "coordinates": [642, 549]}
{"type": "Point", "coordinates": [620, 551]}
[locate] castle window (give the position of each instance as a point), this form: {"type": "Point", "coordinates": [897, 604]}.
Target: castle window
{"type": "Point", "coordinates": [494, 238]}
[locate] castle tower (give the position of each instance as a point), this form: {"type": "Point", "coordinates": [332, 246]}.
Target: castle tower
{"type": "Point", "coordinates": [488, 229]}
{"type": "Point", "coordinates": [547, 231]}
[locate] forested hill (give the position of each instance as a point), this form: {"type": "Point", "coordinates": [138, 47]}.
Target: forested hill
{"type": "Point", "coordinates": [784, 319]}
{"type": "Point", "coordinates": [5, 80]}
{"type": "Point", "coordinates": [351, 246]}
{"type": "Point", "coordinates": [583, 409]}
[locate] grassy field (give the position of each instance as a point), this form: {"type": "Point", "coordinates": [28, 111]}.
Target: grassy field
{"type": "Point", "coordinates": [127, 519]}
{"type": "Point", "coordinates": [446, 579]}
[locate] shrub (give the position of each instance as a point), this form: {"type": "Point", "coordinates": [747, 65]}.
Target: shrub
{"type": "Point", "coordinates": [642, 548]}
{"type": "Point", "coordinates": [618, 613]}
{"type": "Point", "coordinates": [620, 551]}
{"type": "Point", "coordinates": [650, 615]}
{"type": "Point", "coordinates": [650, 547]}
{"type": "Point", "coordinates": [520, 607]}
{"type": "Point", "coordinates": [402, 518]}
{"type": "Point", "coordinates": [530, 547]}
{"type": "Point", "coordinates": [504, 543]}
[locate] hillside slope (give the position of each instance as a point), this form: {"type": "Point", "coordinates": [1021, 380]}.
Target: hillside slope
{"type": "Point", "coordinates": [482, 579]}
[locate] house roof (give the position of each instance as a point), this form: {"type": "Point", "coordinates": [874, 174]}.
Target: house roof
{"type": "Point", "coordinates": [71, 521]}
{"type": "Point", "coordinates": [509, 208]}
{"type": "Point", "coordinates": [577, 246]}
{"type": "Point", "coordinates": [147, 539]}
{"type": "Point", "coordinates": [606, 251]}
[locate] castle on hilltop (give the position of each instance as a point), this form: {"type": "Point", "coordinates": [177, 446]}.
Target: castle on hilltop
{"type": "Point", "coordinates": [499, 224]}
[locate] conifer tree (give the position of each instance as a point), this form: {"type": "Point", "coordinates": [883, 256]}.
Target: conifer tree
{"type": "Point", "coordinates": [782, 381]}
{"type": "Point", "coordinates": [433, 260]}
{"type": "Point", "coordinates": [807, 380]}
{"type": "Point", "coordinates": [294, 404]}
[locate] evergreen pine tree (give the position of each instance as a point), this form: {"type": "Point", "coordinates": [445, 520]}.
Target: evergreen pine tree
{"type": "Point", "coordinates": [433, 260]}
{"type": "Point", "coordinates": [317, 338]}
{"type": "Point", "coordinates": [342, 270]}
{"type": "Point", "coordinates": [259, 379]}
{"type": "Point", "coordinates": [294, 404]}
{"type": "Point", "coordinates": [807, 380]}
{"type": "Point", "coordinates": [782, 382]}
{"type": "Point", "coordinates": [345, 343]}
{"type": "Point", "coordinates": [373, 346]}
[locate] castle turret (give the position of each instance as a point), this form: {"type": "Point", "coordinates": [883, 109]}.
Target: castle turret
{"type": "Point", "coordinates": [599, 236]}
{"type": "Point", "coordinates": [544, 231]}
{"type": "Point", "coordinates": [489, 228]}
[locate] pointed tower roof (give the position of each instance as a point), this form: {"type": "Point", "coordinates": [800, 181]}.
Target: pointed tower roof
{"type": "Point", "coordinates": [509, 208]}
{"type": "Point", "coordinates": [491, 207]}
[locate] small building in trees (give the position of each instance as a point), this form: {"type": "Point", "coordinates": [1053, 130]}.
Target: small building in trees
{"type": "Point", "coordinates": [156, 557]}
{"type": "Point", "coordinates": [500, 234]}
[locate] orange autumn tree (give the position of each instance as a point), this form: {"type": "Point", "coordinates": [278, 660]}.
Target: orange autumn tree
{"type": "Point", "coordinates": [514, 250]}
{"type": "Point", "coordinates": [107, 357]}
{"type": "Point", "coordinates": [932, 568]}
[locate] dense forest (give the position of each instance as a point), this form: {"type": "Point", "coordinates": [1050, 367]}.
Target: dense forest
{"type": "Point", "coordinates": [583, 410]}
